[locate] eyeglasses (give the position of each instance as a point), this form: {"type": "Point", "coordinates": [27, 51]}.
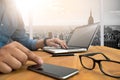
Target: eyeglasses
{"type": "Point", "coordinates": [108, 67]}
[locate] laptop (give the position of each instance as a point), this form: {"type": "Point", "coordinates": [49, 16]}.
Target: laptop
{"type": "Point", "coordinates": [79, 41]}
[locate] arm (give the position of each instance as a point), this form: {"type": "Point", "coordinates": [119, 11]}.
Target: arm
{"type": "Point", "coordinates": [20, 35]}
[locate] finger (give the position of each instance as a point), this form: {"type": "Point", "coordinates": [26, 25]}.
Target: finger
{"type": "Point", "coordinates": [35, 58]}
{"type": "Point", "coordinates": [12, 62]}
{"type": "Point", "coordinates": [62, 43]}
{"type": "Point", "coordinates": [65, 45]}
{"type": "Point", "coordinates": [31, 55]}
{"type": "Point", "coordinates": [19, 55]}
{"type": "Point", "coordinates": [4, 68]}
{"type": "Point", "coordinates": [54, 44]}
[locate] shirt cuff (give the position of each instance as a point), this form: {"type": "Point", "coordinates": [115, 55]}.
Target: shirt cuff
{"type": "Point", "coordinates": [34, 42]}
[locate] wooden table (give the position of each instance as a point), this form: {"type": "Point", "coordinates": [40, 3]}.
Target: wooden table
{"type": "Point", "coordinates": [68, 61]}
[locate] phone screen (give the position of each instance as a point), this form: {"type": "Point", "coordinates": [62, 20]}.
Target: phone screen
{"type": "Point", "coordinates": [55, 71]}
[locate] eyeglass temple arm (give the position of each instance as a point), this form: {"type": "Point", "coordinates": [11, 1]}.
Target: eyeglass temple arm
{"type": "Point", "coordinates": [92, 54]}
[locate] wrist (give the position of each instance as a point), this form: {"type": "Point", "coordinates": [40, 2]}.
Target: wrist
{"type": "Point", "coordinates": [40, 43]}
{"type": "Point", "coordinates": [45, 41]}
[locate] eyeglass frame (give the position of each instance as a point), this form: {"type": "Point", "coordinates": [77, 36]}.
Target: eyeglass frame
{"type": "Point", "coordinates": [98, 61]}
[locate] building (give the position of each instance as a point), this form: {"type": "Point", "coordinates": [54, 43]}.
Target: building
{"type": "Point", "coordinates": [50, 35]}
{"type": "Point", "coordinates": [90, 19]}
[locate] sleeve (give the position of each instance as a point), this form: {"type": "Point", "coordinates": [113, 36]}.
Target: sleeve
{"type": "Point", "coordinates": [20, 35]}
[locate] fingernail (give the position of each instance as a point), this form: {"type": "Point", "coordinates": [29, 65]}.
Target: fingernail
{"type": "Point", "coordinates": [57, 45]}
{"type": "Point", "coordinates": [40, 61]}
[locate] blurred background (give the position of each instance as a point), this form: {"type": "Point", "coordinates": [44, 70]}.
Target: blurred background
{"type": "Point", "coordinates": [58, 18]}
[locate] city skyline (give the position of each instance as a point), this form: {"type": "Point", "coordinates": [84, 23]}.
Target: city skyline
{"type": "Point", "coordinates": [59, 28]}
{"type": "Point", "coordinates": [59, 12]}
{"type": "Point", "coordinates": [58, 32]}
{"type": "Point", "coordinates": [63, 16]}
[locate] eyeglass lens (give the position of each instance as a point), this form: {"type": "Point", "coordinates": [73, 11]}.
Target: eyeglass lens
{"type": "Point", "coordinates": [87, 62]}
{"type": "Point", "coordinates": [110, 68]}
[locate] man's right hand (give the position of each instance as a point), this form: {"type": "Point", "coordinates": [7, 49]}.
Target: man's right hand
{"type": "Point", "coordinates": [14, 55]}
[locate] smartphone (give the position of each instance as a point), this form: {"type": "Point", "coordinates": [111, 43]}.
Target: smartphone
{"type": "Point", "coordinates": [58, 72]}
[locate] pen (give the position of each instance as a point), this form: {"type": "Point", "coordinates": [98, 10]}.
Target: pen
{"type": "Point", "coordinates": [62, 54]}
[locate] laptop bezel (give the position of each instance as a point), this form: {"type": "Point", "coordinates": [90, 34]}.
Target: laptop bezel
{"type": "Point", "coordinates": [92, 38]}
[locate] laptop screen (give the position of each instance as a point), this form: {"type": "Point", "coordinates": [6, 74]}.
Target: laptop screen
{"type": "Point", "coordinates": [83, 36]}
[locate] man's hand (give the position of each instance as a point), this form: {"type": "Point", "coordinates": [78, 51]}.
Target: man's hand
{"type": "Point", "coordinates": [14, 55]}
{"type": "Point", "coordinates": [56, 42]}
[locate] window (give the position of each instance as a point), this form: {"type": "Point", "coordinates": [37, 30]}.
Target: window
{"type": "Point", "coordinates": [111, 22]}
{"type": "Point", "coordinates": [58, 18]}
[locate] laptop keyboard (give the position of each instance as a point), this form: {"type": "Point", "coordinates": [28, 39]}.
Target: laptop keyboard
{"type": "Point", "coordinates": [68, 48]}
{"type": "Point", "coordinates": [61, 50]}
{"type": "Point", "coordinates": [71, 48]}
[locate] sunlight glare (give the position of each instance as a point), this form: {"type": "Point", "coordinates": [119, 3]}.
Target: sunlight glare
{"type": "Point", "coordinates": [31, 5]}
{"type": "Point", "coordinates": [29, 8]}
{"type": "Point", "coordinates": [26, 5]}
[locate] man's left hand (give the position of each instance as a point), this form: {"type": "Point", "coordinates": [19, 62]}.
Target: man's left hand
{"type": "Point", "coordinates": [56, 42]}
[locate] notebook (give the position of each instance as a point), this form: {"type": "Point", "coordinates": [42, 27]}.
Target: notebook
{"type": "Point", "coordinates": [79, 41]}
